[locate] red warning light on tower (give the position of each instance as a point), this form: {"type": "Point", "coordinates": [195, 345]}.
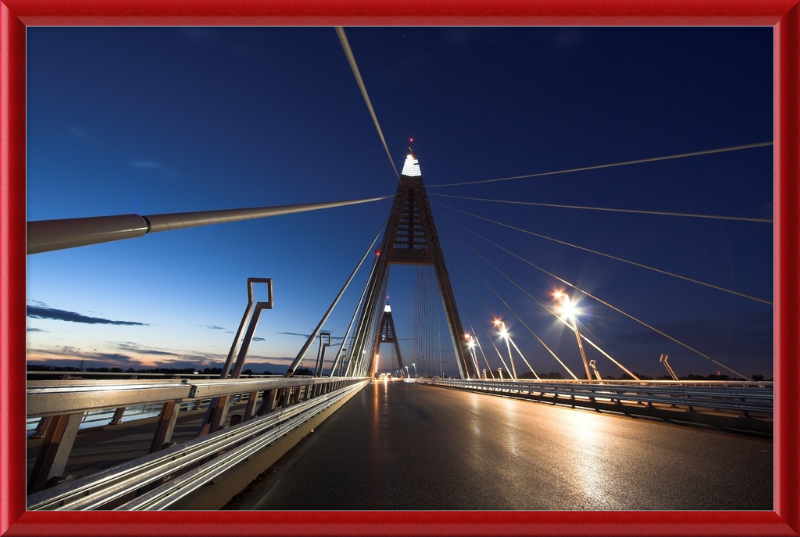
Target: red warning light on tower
{"type": "Point", "coordinates": [377, 253]}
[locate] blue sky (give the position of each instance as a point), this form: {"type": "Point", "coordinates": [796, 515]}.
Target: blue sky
{"type": "Point", "coordinates": [161, 120]}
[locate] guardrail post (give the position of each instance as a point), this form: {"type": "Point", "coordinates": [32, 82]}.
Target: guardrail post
{"type": "Point", "coordinates": [120, 411]}
{"type": "Point", "coordinates": [166, 424]}
{"type": "Point", "coordinates": [54, 452]}
{"type": "Point", "coordinates": [41, 428]}
{"type": "Point", "coordinates": [44, 423]}
{"type": "Point", "coordinates": [251, 405]}
{"type": "Point", "coordinates": [268, 403]}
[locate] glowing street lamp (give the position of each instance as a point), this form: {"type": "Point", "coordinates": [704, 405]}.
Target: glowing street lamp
{"type": "Point", "coordinates": [568, 312]}
{"type": "Point", "coordinates": [471, 345]}
{"type": "Point", "coordinates": [504, 333]}
{"type": "Point", "coordinates": [415, 369]}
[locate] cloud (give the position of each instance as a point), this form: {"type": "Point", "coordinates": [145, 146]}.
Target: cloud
{"type": "Point", "coordinates": [36, 312]}
{"type": "Point", "coordinates": [305, 335]}
{"type": "Point", "coordinates": [94, 358]}
{"type": "Point", "coordinates": [198, 360]}
{"type": "Point", "coordinates": [212, 327]}
{"type": "Point", "coordinates": [148, 164]}
{"type": "Point", "coordinates": [153, 165]}
{"type": "Point", "coordinates": [258, 338]}
{"type": "Point", "coordinates": [80, 133]}
{"type": "Point", "coordinates": [36, 330]}
{"type": "Point", "coordinates": [133, 347]}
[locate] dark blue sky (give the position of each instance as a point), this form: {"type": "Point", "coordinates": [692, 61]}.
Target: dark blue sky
{"type": "Point", "coordinates": [159, 120]}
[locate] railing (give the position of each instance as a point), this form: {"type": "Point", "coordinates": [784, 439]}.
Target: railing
{"type": "Point", "coordinates": [743, 398]}
{"type": "Point", "coordinates": [102, 488]}
{"type": "Point", "coordinates": [56, 397]}
{"type": "Point", "coordinates": [62, 404]}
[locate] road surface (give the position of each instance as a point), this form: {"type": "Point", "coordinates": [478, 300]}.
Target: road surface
{"type": "Point", "coordinates": [401, 446]}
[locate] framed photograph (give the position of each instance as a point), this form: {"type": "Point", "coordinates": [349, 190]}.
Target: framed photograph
{"type": "Point", "coordinates": [200, 21]}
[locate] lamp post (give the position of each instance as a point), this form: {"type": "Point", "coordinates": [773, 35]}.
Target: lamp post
{"type": "Point", "coordinates": [568, 310]}
{"type": "Point", "coordinates": [415, 369]}
{"type": "Point", "coordinates": [504, 333]}
{"type": "Point", "coordinates": [471, 345]}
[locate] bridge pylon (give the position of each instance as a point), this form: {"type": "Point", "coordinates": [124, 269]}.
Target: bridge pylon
{"type": "Point", "coordinates": [386, 334]}
{"type": "Point", "coordinates": [410, 239]}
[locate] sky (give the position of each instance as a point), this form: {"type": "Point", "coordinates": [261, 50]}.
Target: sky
{"type": "Point", "coordinates": [165, 120]}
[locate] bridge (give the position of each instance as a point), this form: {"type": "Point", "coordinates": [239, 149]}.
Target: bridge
{"type": "Point", "coordinates": [522, 422]}
{"type": "Point", "coordinates": [507, 438]}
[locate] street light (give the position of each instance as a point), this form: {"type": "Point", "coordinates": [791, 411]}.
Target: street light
{"type": "Point", "coordinates": [471, 345]}
{"type": "Point", "coordinates": [568, 310]}
{"type": "Point", "coordinates": [415, 369]}
{"type": "Point", "coordinates": [504, 334]}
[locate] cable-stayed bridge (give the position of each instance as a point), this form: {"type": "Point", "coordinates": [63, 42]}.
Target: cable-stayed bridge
{"type": "Point", "coordinates": [269, 410]}
{"type": "Point", "coordinates": [614, 430]}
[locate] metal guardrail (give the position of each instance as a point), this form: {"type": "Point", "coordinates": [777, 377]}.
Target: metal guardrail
{"type": "Point", "coordinates": [62, 404]}
{"type": "Point", "coordinates": [96, 490]}
{"type": "Point", "coordinates": [56, 397]}
{"type": "Point", "coordinates": [743, 397]}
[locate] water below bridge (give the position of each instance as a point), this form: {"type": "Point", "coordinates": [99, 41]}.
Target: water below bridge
{"type": "Point", "coordinates": [401, 446]}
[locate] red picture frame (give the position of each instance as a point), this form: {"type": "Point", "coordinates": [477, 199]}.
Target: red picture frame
{"type": "Point", "coordinates": [783, 15]}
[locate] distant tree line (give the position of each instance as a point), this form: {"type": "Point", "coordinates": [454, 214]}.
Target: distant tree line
{"type": "Point", "coordinates": [306, 371]}
{"type": "Point", "coordinates": [162, 370]}
{"type": "Point", "coordinates": [625, 376]}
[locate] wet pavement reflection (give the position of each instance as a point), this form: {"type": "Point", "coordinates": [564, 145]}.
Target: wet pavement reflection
{"type": "Point", "coordinates": [400, 446]}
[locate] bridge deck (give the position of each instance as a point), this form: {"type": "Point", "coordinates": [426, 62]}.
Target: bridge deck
{"type": "Point", "coordinates": [409, 447]}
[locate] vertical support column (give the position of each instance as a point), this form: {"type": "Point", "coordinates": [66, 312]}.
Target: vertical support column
{"type": "Point", "coordinates": [41, 429]}
{"type": "Point", "coordinates": [251, 405]}
{"type": "Point", "coordinates": [220, 413]}
{"type": "Point", "coordinates": [267, 403]}
{"type": "Point", "coordinates": [218, 408]}
{"type": "Point", "coordinates": [165, 426]}
{"type": "Point", "coordinates": [54, 452]}
{"type": "Point", "coordinates": [321, 352]}
{"type": "Point", "coordinates": [120, 411]}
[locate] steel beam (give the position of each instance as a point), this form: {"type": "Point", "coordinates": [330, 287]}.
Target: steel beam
{"type": "Point", "coordinates": [165, 426]}
{"type": "Point", "coordinates": [54, 451]}
{"type": "Point", "coordinates": [50, 235]}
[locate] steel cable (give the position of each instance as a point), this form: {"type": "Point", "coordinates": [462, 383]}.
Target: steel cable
{"type": "Point", "coordinates": [660, 213]}
{"type": "Point", "coordinates": [585, 168]}
{"type": "Point", "coordinates": [350, 58]}
{"type": "Point", "coordinates": [699, 353]}
{"type": "Point", "coordinates": [717, 287]}
{"type": "Point", "coordinates": [511, 309]}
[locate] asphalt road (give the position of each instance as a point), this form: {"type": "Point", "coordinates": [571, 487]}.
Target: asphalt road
{"type": "Point", "coordinates": [401, 446]}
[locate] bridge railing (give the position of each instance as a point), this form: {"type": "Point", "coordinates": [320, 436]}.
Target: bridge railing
{"type": "Point", "coordinates": [197, 461]}
{"type": "Point", "coordinates": [751, 402]}
{"type": "Point", "coordinates": [605, 382]}
{"type": "Point", "coordinates": [62, 404]}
